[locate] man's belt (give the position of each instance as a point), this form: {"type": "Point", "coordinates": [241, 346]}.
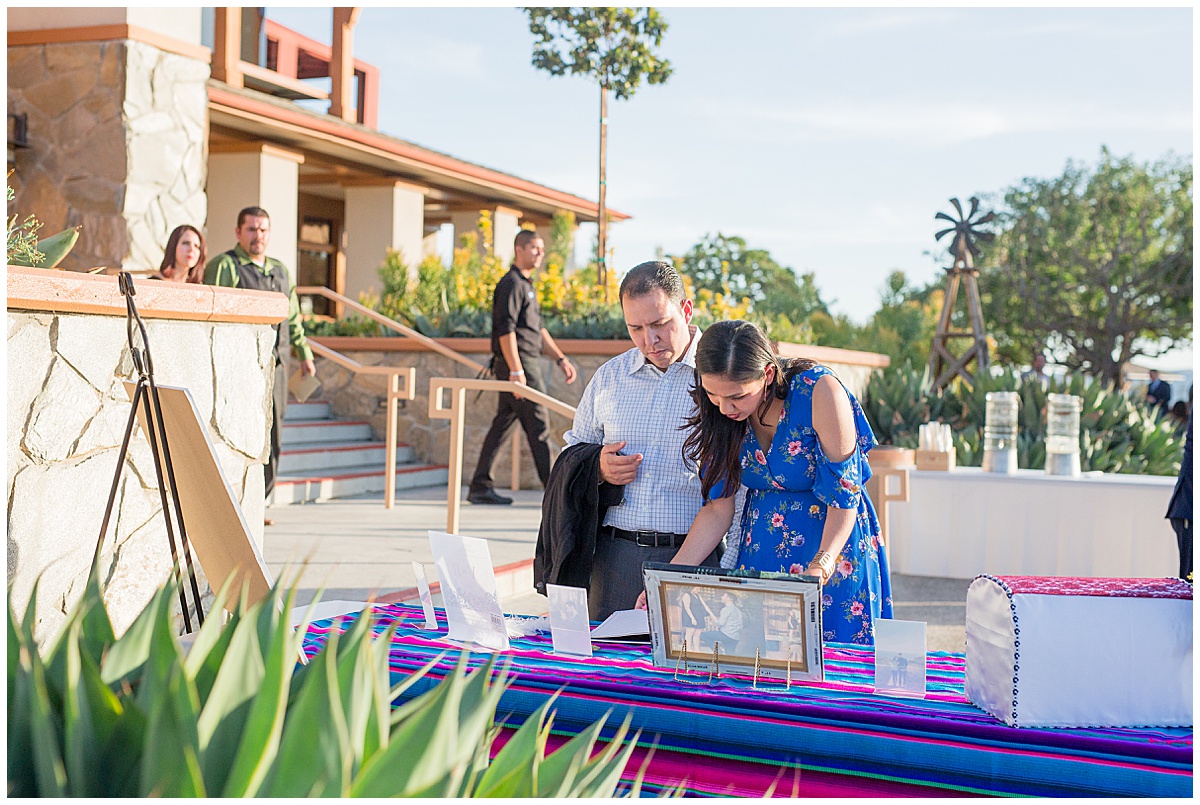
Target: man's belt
{"type": "Point", "coordinates": [648, 539]}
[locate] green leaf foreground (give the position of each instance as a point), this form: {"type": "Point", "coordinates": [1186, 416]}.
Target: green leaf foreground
{"type": "Point", "coordinates": [132, 716]}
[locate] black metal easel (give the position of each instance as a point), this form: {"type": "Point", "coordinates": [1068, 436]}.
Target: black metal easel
{"type": "Point", "coordinates": [156, 431]}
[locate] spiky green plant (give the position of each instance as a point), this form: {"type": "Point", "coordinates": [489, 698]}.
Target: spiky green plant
{"type": "Point", "coordinates": [102, 716]}
{"type": "Point", "coordinates": [1117, 433]}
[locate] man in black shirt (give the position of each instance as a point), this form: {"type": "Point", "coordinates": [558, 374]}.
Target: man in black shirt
{"type": "Point", "coordinates": [517, 340]}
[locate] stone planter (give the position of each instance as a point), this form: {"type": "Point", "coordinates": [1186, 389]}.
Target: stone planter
{"type": "Point", "coordinates": [362, 397]}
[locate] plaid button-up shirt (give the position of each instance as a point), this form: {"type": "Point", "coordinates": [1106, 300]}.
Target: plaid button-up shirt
{"type": "Point", "coordinates": [631, 400]}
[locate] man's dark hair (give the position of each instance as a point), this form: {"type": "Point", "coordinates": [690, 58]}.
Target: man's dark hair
{"type": "Point", "coordinates": [524, 236]}
{"type": "Point", "coordinates": [645, 277]}
{"type": "Point", "coordinates": [257, 212]}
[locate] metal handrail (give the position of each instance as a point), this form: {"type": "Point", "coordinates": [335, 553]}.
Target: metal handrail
{"type": "Point", "coordinates": [379, 318]}
{"type": "Point", "coordinates": [396, 390]}
{"type": "Point", "coordinates": [456, 413]}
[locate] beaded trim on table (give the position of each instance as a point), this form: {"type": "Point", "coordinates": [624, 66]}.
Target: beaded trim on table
{"type": "Point", "coordinates": [1012, 605]}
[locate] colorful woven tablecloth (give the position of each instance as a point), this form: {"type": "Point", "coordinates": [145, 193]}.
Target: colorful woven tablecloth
{"type": "Point", "coordinates": [836, 738]}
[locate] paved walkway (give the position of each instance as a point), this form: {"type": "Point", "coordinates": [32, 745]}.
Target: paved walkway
{"type": "Point", "coordinates": [356, 548]}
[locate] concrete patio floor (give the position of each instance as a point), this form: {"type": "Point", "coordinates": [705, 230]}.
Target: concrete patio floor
{"type": "Point", "coordinates": [357, 549]}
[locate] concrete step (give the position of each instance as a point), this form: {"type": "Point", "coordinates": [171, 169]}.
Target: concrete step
{"type": "Point", "coordinates": [291, 489]}
{"type": "Point", "coordinates": [307, 411]}
{"type": "Point", "coordinates": [308, 433]}
{"type": "Point", "coordinates": [326, 458]}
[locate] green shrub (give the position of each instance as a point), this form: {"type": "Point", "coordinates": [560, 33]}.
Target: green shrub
{"type": "Point", "coordinates": [101, 716]}
{"type": "Point", "coordinates": [1117, 432]}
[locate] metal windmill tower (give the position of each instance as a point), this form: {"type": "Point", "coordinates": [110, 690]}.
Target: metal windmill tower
{"type": "Point", "coordinates": [944, 365]}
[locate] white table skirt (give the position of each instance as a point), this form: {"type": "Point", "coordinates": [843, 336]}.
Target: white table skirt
{"type": "Point", "coordinates": [966, 522]}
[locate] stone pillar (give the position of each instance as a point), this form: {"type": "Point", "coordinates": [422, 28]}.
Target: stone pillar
{"type": "Point", "coordinates": [260, 175]}
{"type": "Point", "coordinates": [118, 131]}
{"type": "Point", "coordinates": [379, 218]}
{"type": "Point", "coordinates": [506, 223]}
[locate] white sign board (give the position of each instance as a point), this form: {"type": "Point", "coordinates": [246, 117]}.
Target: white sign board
{"type": "Point", "coordinates": [464, 567]}
{"type": "Point", "coordinates": [569, 626]}
{"type": "Point", "coordinates": [900, 657]}
{"type": "Point", "coordinates": [426, 596]}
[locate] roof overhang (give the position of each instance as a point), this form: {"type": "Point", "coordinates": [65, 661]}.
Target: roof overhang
{"type": "Point", "coordinates": [261, 117]}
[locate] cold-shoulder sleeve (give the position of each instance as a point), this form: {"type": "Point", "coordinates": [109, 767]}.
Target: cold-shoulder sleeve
{"type": "Point", "coordinates": [839, 484]}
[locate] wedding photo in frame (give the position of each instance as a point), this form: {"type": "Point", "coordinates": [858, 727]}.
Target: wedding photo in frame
{"type": "Point", "coordinates": [768, 620]}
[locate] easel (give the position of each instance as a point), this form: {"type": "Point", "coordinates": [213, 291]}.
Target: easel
{"type": "Point", "coordinates": [146, 394]}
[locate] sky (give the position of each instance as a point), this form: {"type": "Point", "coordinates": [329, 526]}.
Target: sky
{"type": "Point", "coordinates": [829, 137]}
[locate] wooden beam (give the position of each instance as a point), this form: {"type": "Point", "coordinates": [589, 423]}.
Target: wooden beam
{"type": "Point", "coordinates": [227, 45]}
{"type": "Point", "coordinates": [341, 65]}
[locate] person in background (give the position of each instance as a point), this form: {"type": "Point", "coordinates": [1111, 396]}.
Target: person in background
{"type": "Point", "coordinates": [1158, 393]}
{"type": "Point", "coordinates": [247, 266]}
{"type": "Point", "coordinates": [791, 433]}
{"type": "Point", "coordinates": [518, 338]}
{"type": "Point", "coordinates": [183, 259]}
{"type": "Point", "coordinates": [1179, 415]}
{"type": "Point", "coordinates": [1037, 370]}
{"type": "Point", "coordinates": [1179, 510]}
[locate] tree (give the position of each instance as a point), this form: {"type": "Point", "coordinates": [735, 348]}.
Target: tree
{"type": "Point", "coordinates": [1097, 263]}
{"type": "Point", "coordinates": [726, 265]}
{"type": "Point", "coordinates": [614, 48]}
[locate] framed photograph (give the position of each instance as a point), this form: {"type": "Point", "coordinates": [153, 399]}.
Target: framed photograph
{"type": "Point", "coordinates": [741, 615]}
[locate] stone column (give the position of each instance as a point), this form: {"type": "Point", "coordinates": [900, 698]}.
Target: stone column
{"type": "Point", "coordinates": [378, 218]}
{"type": "Point", "coordinates": [506, 222]}
{"type": "Point", "coordinates": [257, 174]}
{"type": "Point", "coordinates": [118, 131]}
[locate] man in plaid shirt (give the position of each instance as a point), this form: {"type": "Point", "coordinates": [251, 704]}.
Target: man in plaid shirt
{"type": "Point", "coordinates": [636, 405]}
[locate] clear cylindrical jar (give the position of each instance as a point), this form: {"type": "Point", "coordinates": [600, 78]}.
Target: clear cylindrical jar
{"type": "Point", "coordinates": [1000, 432]}
{"type": "Point", "coordinates": [1062, 434]}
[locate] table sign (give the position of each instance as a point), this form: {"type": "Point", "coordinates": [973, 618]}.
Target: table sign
{"type": "Point", "coordinates": [464, 566]}
{"type": "Point", "coordinates": [426, 596]}
{"type": "Point", "coordinates": [763, 624]}
{"type": "Point", "coordinates": [626, 626]}
{"type": "Point", "coordinates": [569, 627]}
{"type": "Point", "coordinates": [900, 657]}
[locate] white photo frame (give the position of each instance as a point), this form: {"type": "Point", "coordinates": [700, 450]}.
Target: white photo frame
{"type": "Point", "coordinates": [763, 624]}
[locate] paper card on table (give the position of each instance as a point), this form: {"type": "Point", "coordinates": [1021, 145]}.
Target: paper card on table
{"type": "Point", "coordinates": [464, 567]}
{"type": "Point", "coordinates": [900, 657]}
{"type": "Point", "coordinates": [426, 596]}
{"type": "Point", "coordinates": [623, 624]}
{"type": "Point", "coordinates": [303, 386]}
{"type": "Point", "coordinates": [569, 627]}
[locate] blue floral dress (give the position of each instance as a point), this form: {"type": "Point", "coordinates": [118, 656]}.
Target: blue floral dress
{"type": "Point", "coordinates": [790, 485]}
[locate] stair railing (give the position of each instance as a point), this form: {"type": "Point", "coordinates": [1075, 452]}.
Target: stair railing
{"type": "Point", "coordinates": [391, 324]}
{"type": "Point", "coordinates": [456, 412]}
{"type": "Point", "coordinates": [401, 385]}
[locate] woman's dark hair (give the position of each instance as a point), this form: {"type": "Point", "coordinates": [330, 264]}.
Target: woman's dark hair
{"type": "Point", "coordinates": [196, 272]}
{"type": "Point", "coordinates": [739, 352]}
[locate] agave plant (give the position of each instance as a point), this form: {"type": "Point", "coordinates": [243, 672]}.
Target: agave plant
{"type": "Point", "coordinates": [1117, 432]}
{"type": "Point", "coordinates": [236, 715]}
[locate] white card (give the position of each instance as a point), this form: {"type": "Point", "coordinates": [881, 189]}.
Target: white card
{"type": "Point", "coordinates": [464, 566]}
{"type": "Point", "coordinates": [426, 596]}
{"type": "Point", "coordinates": [623, 623]}
{"type": "Point", "coordinates": [569, 626]}
{"type": "Point", "coordinates": [900, 657]}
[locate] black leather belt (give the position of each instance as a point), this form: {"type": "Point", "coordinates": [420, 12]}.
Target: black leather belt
{"type": "Point", "coordinates": [649, 539]}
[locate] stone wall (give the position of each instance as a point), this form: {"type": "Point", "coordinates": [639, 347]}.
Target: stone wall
{"type": "Point", "coordinates": [67, 410]}
{"type": "Point", "coordinates": [118, 144]}
{"type": "Point", "coordinates": [363, 397]}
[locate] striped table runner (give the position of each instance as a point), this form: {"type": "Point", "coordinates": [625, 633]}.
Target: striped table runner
{"type": "Point", "coordinates": [836, 738]}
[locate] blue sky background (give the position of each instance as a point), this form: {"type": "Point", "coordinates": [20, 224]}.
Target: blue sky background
{"type": "Point", "coordinates": [829, 137]}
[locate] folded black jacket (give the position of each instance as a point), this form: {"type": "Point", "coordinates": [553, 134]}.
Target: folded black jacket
{"type": "Point", "coordinates": [573, 510]}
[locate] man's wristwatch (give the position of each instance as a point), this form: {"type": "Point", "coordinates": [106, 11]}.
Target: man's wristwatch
{"type": "Point", "coordinates": [560, 360]}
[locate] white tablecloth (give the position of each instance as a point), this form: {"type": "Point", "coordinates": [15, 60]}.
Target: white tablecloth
{"type": "Point", "coordinates": [966, 522]}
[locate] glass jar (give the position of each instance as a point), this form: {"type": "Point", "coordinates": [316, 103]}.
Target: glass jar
{"type": "Point", "coordinates": [1062, 434]}
{"type": "Point", "coordinates": [1000, 432]}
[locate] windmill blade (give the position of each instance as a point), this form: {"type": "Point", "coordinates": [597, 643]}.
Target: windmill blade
{"type": "Point", "coordinates": [986, 237]}
{"type": "Point", "coordinates": [972, 248]}
{"type": "Point", "coordinates": [974, 206]}
{"type": "Point", "coordinates": [939, 235]}
{"type": "Point", "coordinates": [945, 217]}
{"type": "Point", "coordinates": [987, 219]}
{"type": "Point", "coordinates": [958, 207]}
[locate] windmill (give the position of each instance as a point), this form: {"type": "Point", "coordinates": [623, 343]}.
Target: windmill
{"type": "Point", "coordinates": [943, 363]}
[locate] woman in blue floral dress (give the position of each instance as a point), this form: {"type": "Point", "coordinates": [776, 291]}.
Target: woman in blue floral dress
{"type": "Point", "coordinates": [791, 433]}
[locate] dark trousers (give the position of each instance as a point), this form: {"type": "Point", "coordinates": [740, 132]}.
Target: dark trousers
{"type": "Point", "coordinates": [278, 406]}
{"type": "Point", "coordinates": [1183, 536]}
{"type": "Point", "coordinates": [617, 580]}
{"type": "Point", "coordinates": [534, 419]}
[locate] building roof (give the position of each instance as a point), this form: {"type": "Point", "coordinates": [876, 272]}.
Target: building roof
{"type": "Point", "coordinates": [262, 116]}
